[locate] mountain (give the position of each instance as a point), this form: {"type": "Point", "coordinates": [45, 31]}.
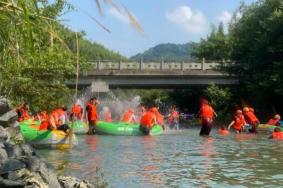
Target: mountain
{"type": "Point", "coordinates": [167, 51]}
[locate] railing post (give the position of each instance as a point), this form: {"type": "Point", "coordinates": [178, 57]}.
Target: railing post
{"type": "Point", "coordinates": [202, 64]}
{"type": "Point", "coordinates": [140, 65]}
{"type": "Point", "coordinates": [120, 67]}
{"type": "Point", "coordinates": [162, 65]}
{"type": "Point", "coordinates": [182, 66]}
{"type": "Point", "coordinates": [98, 65]}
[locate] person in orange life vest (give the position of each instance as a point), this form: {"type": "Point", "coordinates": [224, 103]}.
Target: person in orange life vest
{"type": "Point", "coordinates": [23, 113]}
{"type": "Point", "coordinates": [251, 119]}
{"type": "Point", "coordinates": [91, 114]}
{"type": "Point", "coordinates": [105, 114]}
{"type": "Point", "coordinates": [277, 134]}
{"type": "Point", "coordinates": [173, 118]}
{"type": "Point", "coordinates": [148, 120]}
{"type": "Point", "coordinates": [159, 116]}
{"type": "Point", "coordinates": [238, 123]}
{"type": "Point", "coordinates": [76, 112]}
{"type": "Point", "coordinates": [223, 131]}
{"type": "Point", "coordinates": [58, 120]}
{"type": "Point", "coordinates": [129, 116]}
{"type": "Point", "coordinates": [275, 120]}
{"type": "Point", "coordinates": [207, 115]}
{"type": "Point", "coordinates": [44, 120]}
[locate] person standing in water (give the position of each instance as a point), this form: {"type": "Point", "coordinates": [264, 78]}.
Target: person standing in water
{"type": "Point", "coordinates": [251, 119]}
{"type": "Point", "coordinates": [148, 120]}
{"type": "Point", "coordinates": [91, 114]}
{"type": "Point", "coordinates": [238, 123]}
{"type": "Point", "coordinates": [207, 115]}
{"type": "Point", "coordinates": [173, 118]}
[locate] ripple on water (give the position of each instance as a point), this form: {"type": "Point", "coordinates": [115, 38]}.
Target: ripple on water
{"type": "Point", "coordinates": [176, 159]}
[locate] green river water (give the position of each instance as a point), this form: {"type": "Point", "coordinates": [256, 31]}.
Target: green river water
{"type": "Point", "coordinates": [175, 159]}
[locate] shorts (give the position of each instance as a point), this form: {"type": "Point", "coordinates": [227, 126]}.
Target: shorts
{"type": "Point", "coordinates": [206, 126]}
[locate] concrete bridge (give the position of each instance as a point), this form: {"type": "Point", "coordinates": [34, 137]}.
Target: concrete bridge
{"type": "Point", "coordinates": [138, 74]}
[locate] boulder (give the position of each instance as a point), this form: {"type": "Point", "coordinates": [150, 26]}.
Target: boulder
{"type": "Point", "coordinates": [70, 182]}
{"type": "Point", "coordinates": [10, 183]}
{"type": "Point", "coordinates": [8, 118]}
{"type": "Point", "coordinates": [4, 135]}
{"type": "Point", "coordinates": [13, 150]}
{"type": "Point", "coordinates": [5, 106]}
{"type": "Point", "coordinates": [3, 156]}
{"type": "Point", "coordinates": [11, 165]}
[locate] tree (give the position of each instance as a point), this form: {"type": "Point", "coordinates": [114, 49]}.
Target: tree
{"type": "Point", "coordinates": [215, 47]}
{"type": "Point", "coordinates": [257, 51]}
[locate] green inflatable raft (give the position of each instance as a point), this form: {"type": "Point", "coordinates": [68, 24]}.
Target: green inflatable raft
{"type": "Point", "coordinates": [124, 129]}
{"type": "Point", "coordinates": [79, 127]}
{"type": "Point", "coordinates": [268, 127]}
{"type": "Point", "coordinates": [45, 138]}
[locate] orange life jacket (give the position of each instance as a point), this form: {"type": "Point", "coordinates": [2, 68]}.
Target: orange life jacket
{"type": "Point", "coordinates": [55, 116]}
{"type": "Point", "coordinates": [147, 120]}
{"type": "Point", "coordinates": [207, 111]}
{"type": "Point", "coordinates": [239, 122]}
{"type": "Point", "coordinates": [127, 117]}
{"type": "Point", "coordinates": [273, 121]}
{"type": "Point", "coordinates": [23, 114]}
{"type": "Point", "coordinates": [277, 135]}
{"type": "Point", "coordinates": [77, 111]}
{"type": "Point", "coordinates": [108, 116]}
{"type": "Point", "coordinates": [251, 118]}
{"type": "Point", "coordinates": [91, 111]}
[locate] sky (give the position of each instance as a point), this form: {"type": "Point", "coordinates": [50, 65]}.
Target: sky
{"type": "Point", "coordinates": [163, 21]}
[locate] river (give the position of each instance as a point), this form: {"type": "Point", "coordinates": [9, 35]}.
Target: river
{"type": "Point", "coordinates": [175, 159]}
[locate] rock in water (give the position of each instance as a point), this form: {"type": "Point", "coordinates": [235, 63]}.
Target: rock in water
{"type": "Point", "coordinates": [4, 135]}
{"type": "Point", "coordinates": [70, 182]}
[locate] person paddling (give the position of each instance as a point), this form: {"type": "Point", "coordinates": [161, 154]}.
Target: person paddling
{"type": "Point", "coordinates": [76, 112]}
{"type": "Point", "coordinates": [91, 114]}
{"type": "Point", "coordinates": [207, 115]}
{"type": "Point", "coordinates": [58, 120]}
{"type": "Point", "coordinates": [129, 116]}
{"type": "Point", "coordinates": [277, 134]}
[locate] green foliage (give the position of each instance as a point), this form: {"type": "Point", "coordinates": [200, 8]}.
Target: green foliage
{"type": "Point", "coordinates": [257, 50]}
{"type": "Point", "coordinates": [168, 52]}
{"type": "Point", "coordinates": [220, 99]}
{"type": "Point", "coordinates": [38, 54]}
{"type": "Point", "coordinates": [215, 47]}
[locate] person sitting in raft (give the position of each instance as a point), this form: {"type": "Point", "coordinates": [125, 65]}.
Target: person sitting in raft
{"type": "Point", "coordinates": [207, 115]}
{"type": "Point", "coordinates": [105, 114]}
{"type": "Point", "coordinates": [148, 120]}
{"type": "Point", "coordinates": [277, 134]}
{"type": "Point", "coordinates": [58, 120]}
{"type": "Point", "coordinates": [76, 112]}
{"type": "Point", "coordinates": [251, 119]}
{"type": "Point", "coordinates": [23, 112]}
{"type": "Point", "coordinates": [238, 122]}
{"type": "Point", "coordinates": [91, 114]}
{"type": "Point", "coordinates": [173, 118]}
{"type": "Point", "coordinates": [44, 120]}
{"type": "Point", "coordinates": [223, 131]}
{"type": "Point", "coordinates": [129, 116]}
{"type": "Point", "coordinates": [275, 120]}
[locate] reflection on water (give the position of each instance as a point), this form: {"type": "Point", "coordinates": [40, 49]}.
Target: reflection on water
{"type": "Point", "coordinates": [175, 159]}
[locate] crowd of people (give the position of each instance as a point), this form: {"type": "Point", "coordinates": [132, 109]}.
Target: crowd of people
{"type": "Point", "coordinates": [244, 119]}
{"type": "Point", "coordinates": [61, 118]}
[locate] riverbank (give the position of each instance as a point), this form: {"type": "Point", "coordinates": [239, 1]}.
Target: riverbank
{"type": "Point", "coordinates": [20, 165]}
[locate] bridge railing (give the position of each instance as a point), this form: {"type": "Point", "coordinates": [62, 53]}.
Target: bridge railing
{"type": "Point", "coordinates": [155, 66]}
